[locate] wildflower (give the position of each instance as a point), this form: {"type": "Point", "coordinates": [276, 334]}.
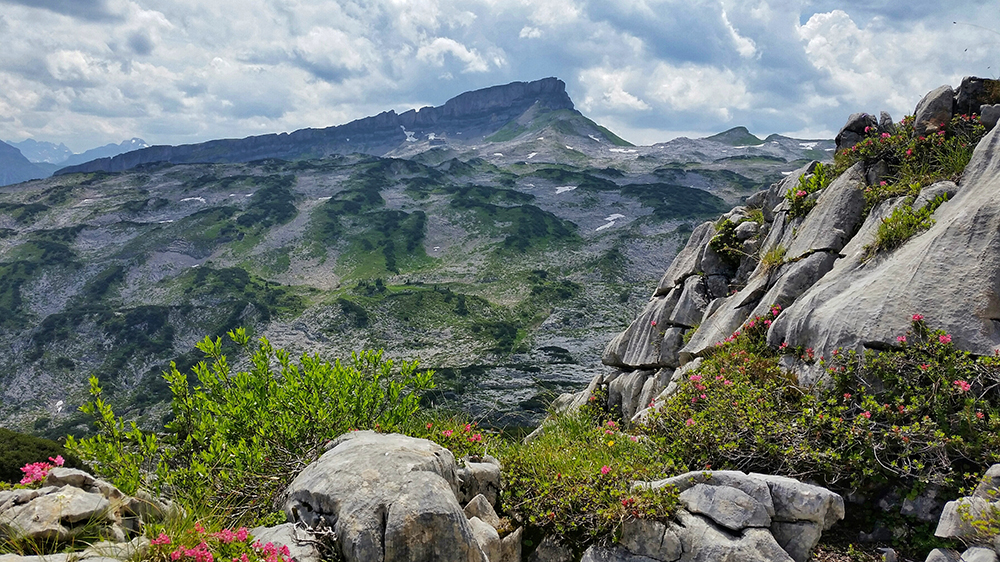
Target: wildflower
{"type": "Point", "coordinates": [695, 378]}
{"type": "Point", "coordinates": [867, 415]}
{"type": "Point", "coordinates": [468, 427]}
{"type": "Point", "coordinates": [162, 539]}
{"type": "Point", "coordinates": [727, 382]}
{"type": "Point", "coordinates": [847, 395]}
{"type": "Point", "coordinates": [885, 136]}
{"type": "Point", "coordinates": [447, 433]}
{"type": "Point", "coordinates": [652, 323]}
{"type": "Point", "coordinates": [476, 438]}
{"type": "Point", "coordinates": [946, 338]}
{"type": "Point", "coordinates": [429, 425]}
{"type": "Point", "coordinates": [882, 183]}
{"type": "Point", "coordinates": [924, 366]}
{"type": "Point", "coordinates": [980, 415]}
{"type": "Point", "coordinates": [608, 432]}
{"type": "Point", "coordinates": [901, 339]}
{"type": "Point", "coordinates": [605, 469]}
{"type": "Point", "coordinates": [918, 317]}
{"type": "Point", "coordinates": [689, 422]}
{"type": "Point", "coordinates": [783, 346]}
{"type": "Point", "coordinates": [800, 193]}
{"type": "Point", "coordinates": [767, 323]}
{"type": "Point", "coordinates": [962, 385]}
{"type": "Point", "coordinates": [611, 443]}
{"type": "Point", "coordinates": [634, 438]}
{"type": "Point", "coordinates": [199, 529]}
{"type": "Point", "coordinates": [909, 152]}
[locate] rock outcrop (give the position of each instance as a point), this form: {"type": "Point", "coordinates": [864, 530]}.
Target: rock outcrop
{"type": "Point", "coordinates": [392, 497]}
{"type": "Point", "coordinates": [72, 503]}
{"type": "Point", "coordinates": [730, 515]}
{"type": "Point", "coordinates": [816, 268]}
{"type": "Point", "coordinates": [968, 519]}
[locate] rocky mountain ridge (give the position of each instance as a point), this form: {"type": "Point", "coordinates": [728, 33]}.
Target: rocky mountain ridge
{"type": "Point", "coordinates": [470, 115]}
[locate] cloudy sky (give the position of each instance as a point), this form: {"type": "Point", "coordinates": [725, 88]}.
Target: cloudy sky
{"type": "Point", "coordinates": [90, 72]}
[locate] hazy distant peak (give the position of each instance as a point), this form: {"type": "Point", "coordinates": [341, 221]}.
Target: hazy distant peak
{"type": "Point", "coordinates": [737, 136]}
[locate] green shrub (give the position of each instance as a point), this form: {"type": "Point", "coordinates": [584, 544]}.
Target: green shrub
{"type": "Point", "coordinates": [238, 437]}
{"type": "Point", "coordinates": [914, 159]}
{"type": "Point", "coordinates": [798, 198]}
{"type": "Point", "coordinates": [901, 225]}
{"type": "Point", "coordinates": [574, 481]}
{"type": "Point", "coordinates": [18, 450]}
{"type": "Point", "coordinates": [725, 243]}
{"type": "Point", "coordinates": [897, 420]}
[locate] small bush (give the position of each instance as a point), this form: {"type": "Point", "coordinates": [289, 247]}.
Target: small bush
{"type": "Point", "coordinates": [798, 198]}
{"type": "Point", "coordinates": [575, 480]}
{"type": "Point", "coordinates": [903, 224]}
{"type": "Point", "coordinates": [917, 160]}
{"type": "Point", "coordinates": [18, 450]}
{"type": "Point", "coordinates": [725, 244]}
{"type": "Point", "coordinates": [239, 437]}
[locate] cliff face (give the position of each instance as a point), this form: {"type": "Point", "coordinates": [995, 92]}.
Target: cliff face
{"type": "Point", "coordinates": [824, 267]}
{"type": "Point", "coordinates": [466, 117]}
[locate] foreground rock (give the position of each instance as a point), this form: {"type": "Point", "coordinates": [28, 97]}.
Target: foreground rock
{"type": "Point", "coordinates": [72, 504]}
{"type": "Point", "coordinates": [387, 497]}
{"type": "Point", "coordinates": [966, 519]}
{"type": "Point", "coordinates": [730, 515]}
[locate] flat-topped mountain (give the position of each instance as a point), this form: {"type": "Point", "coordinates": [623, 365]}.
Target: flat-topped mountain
{"type": "Point", "coordinates": [463, 119]}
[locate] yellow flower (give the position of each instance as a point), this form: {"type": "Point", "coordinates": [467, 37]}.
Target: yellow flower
{"type": "Point", "coordinates": [611, 443]}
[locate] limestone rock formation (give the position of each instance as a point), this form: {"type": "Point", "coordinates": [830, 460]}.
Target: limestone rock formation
{"type": "Point", "coordinates": [387, 497]}
{"type": "Point", "coordinates": [71, 503]}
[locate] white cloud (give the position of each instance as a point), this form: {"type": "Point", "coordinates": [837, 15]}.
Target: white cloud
{"type": "Point", "coordinates": [528, 32]}
{"type": "Point", "coordinates": [174, 71]}
{"type": "Point", "coordinates": [435, 51]}
{"type": "Point", "coordinates": [744, 46]}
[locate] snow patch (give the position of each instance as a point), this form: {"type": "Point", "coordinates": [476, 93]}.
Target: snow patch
{"type": "Point", "coordinates": [199, 199]}
{"type": "Point", "coordinates": [532, 155]}
{"type": "Point", "coordinates": [623, 150]}
{"type": "Point", "coordinates": [613, 217]}
{"type": "Point", "coordinates": [409, 136]}
{"type": "Point", "coordinates": [166, 221]}
{"type": "Point", "coordinates": [565, 188]}
{"type": "Point", "coordinates": [808, 145]}
{"type": "Point", "coordinates": [604, 226]}
{"type": "Point", "coordinates": [498, 154]}
{"type": "Point", "coordinates": [327, 198]}
{"type": "Point", "coordinates": [568, 147]}
{"type": "Point", "coordinates": [595, 138]}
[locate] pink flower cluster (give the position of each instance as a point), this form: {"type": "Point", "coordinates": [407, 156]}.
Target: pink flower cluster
{"type": "Point", "coordinates": [962, 385]}
{"type": "Point", "coordinates": [199, 553]}
{"type": "Point", "coordinates": [37, 471]}
{"type": "Point", "coordinates": [227, 536]}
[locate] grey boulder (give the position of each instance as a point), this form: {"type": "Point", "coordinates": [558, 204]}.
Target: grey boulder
{"type": "Point", "coordinates": [387, 497]}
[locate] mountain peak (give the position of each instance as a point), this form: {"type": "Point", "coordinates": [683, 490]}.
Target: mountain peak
{"type": "Point", "coordinates": [737, 136]}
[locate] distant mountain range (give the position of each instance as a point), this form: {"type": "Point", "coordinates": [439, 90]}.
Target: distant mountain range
{"type": "Point", "coordinates": [39, 159]}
